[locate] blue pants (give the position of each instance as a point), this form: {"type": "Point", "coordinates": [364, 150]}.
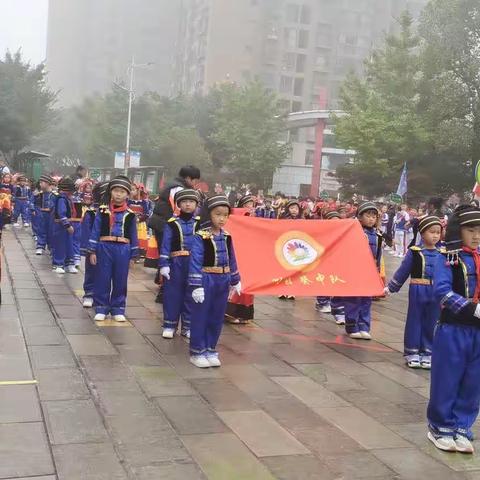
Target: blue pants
{"type": "Point", "coordinates": [455, 385]}
{"type": "Point", "coordinates": [21, 208]}
{"type": "Point", "coordinates": [43, 227]}
{"type": "Point", "coordinates": [423, 313]}
{"type": "Point", "coordinates": [111, 277]}
{"type": "Point", "coordinates": [208, 317]}
{"type": "Point", "coordinates": [177, 297]}
{"type": "Point", "coordinates": [337, 304]}
{"type": "Point", "coordinates": [35, 218]}
{"type": "Point", "coordinates": [89, 278]}
{"type": "Point", "coordinates": [62, 246]}
{"type": "Point", "coordinates": [357, 314]}
{"type": "Point", "coordinates": [323, 301]}
{"type": "Point", "coordinates": [77, 237]}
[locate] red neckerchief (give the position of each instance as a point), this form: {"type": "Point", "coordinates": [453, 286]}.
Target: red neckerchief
{"type": "Point", "coordinates": [476, 258]}
{"type": "Point", "coordinates": [116, 209]}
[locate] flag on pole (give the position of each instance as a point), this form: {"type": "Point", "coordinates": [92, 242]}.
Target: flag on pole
{"type": "Point", "coordinates": [476, 188]}
{"type": "Point", "coordinates": [402, 185]}
{"type": "Point", "coordinates": [304, 258]}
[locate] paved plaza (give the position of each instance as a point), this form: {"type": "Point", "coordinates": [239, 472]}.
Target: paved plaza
{"type": "Point", "coordinates": [294, 400]}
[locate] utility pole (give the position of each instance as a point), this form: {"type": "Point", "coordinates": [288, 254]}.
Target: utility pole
{"type": "Point", "coordinates": [129, 118]}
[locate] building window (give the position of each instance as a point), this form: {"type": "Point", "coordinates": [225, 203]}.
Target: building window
{"type": "Point", "coordinates": [297, 106]}
{"type": "Point", "coordinates": [291, 37]}
{"type": "Point", "coordinates": [298, 87]}
{"type": "Point", "coordinates": [301, 61]}
{"type": "Point", "coordinates": [324, 34]}
{"type": "Point", "coordinates": [289, 61]}
{"type": "Point", "coordinates": [286, 84]}
{"type": "Point", "coordinates": [305, 15]}
{"type": "Point", "coordinates": [303, 39]}
{"type": "Point", "coordinates": [309, 157]}
{"type": "Point", "coordinates": [321, 61]}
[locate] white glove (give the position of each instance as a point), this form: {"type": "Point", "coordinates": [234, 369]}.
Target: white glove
{"type": "Point", "coordinates": [198, 295]}
{"type": "Point", "coordinates": [165, 272]}
{"type": "Point", "coordinates": [387, 292]}
{"type": "Point", "coordinates": [237, 288]}
{"type": "Point", "coordinates": [477, 311]}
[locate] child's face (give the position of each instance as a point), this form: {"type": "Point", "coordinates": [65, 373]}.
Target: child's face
{"type": "Point", "coordinates": [293, 210]}
{"type": "Point", "coordinates": [368, 219]}
{"type": "Point", "coordinates": [134, 192]}
{"type": "Point", "coordinates": [119, 195]}
{"type": "Point", "coordinates": [431, 236]}
{"type": "Point", "coordinates": [187, 206]}
{"type": "Point", "coordinates": [343, 213]}
{"type": "Point", "coordinates": [471, 236]}
{"type": "Point", "coordinates": [22, 183]}
{"type": "Point", "coordinates": [384, 209]}
{"type": "Point", "coordinates": [87, 200]}
{"type": "Point", "coordinates": [44, 186]}
{"type": "Point", "coordinates": [403, 207]}
{"type": "Point", "coordinates": [248, 205]}
{"type": "Point", "coordinates": [219, 216]}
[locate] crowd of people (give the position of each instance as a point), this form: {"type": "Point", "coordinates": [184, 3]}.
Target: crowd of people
{"type": "Point", "coordinates": [109, 224]}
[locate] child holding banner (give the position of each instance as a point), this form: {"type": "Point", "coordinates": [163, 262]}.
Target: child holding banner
{"type": "Point", "coordinates": [423, 309]}
{"type": "Point", "coordinates": [213, 273]}
{"type": "Point", "coordinates": [357, 309]}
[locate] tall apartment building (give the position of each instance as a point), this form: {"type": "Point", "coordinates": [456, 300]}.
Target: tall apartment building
{"type": "Point", "coordinates": [299, 48]}
{"type": "Point", "coordinates": [91, 43]}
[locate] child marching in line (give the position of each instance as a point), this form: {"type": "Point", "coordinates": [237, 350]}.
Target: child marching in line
{"type": "Point", "coordinates": [455, 387]}
{"type": "Point", "coordinates": [112, 245]}
{"type": "Point", "coordinates": [423, 308]}
{"type": "Point", "coordinates": [358, 309]}
{"type": "Point", "coordinates": [266, 210]}
{"type": "Point", "coordinates": [174, 263]}
{"type": "Point", "coordinates": [213, 272]}
{"type": "Point", "coordinates": [42, 211]}
{"type": "Point", "coordinates": [240, 307]}
{"type": "Point", "coordinates": [333, 305]}
{"type": "Point", "coordinates": [7, 184]}
{"type": "Point", "coordinates": [21, 196]}
{"type": "Point", "coordinates": [98, 194]}
{"type": "Point", "coordinates": [62, 229]}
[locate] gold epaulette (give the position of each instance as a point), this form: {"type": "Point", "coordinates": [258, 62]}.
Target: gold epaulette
{"type": "Point", "coordinates": [205, 234]}
{"type": "Point", "coordinates": [415, 248]}
{"type": "Point", "coordinates": [172, 219]}
{"type": "Point", "coordinates": [442, 250]}
{"type": "Point", "coordinates": [198, 217]}
{"type": "Point", "coordinates": [104, 209]}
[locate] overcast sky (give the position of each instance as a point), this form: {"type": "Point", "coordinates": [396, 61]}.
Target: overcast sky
{"type": "Point", "coordinates": [24, 25]}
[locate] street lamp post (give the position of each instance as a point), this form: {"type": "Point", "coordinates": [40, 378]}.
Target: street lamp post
{"type": "Point", "coordinates": [131, 96]}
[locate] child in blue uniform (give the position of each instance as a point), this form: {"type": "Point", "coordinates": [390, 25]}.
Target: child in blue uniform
{"type": "Point", "coordinates": [423, 308]}
{"type": "Point", "coordinates": [266, 210]}
{"type": "Point", "coordinates": [112, 245]}
{"type": "Point", "coordinates": [42, 210]}
{"type": "Point", "coordinates": [455, 384]}
{"type": "Point", "coordinates": [333, 305]}
{"type": "Point", "coordinates": [357, 309]}
{"type": "Point", "coordinates": [213, 272]}
{"type": "Point", "coordinates": [21, 196]}
{"type": "Point", "coordinates": [174, 263]}
{"type": "Point", "coordinates": [98, 193]}
{"type": "Point", "coordinates": [62, 230]}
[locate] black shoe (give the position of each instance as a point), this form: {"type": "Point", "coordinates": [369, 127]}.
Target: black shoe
{"type": "Point", "coordinates": [159, 297]}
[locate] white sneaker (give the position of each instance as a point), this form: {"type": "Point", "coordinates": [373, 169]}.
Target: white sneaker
{"type": "Point", "coordinates": [71, 269]}
{"type": "Point", "coordinates": [356, 335]}
{"type": "Point", "coordinates": [200, 361]}
{"type": "Point", "coordinates": [59, 270]}
{"type": "Point", "coordinates": [119, 318]}
{"type": "Point", "coordinates": [426, 363]}
{"type": "Point", "coordinates": [413, 361]}
{"type": "Point", "coordinates": [463, 444]}
{"type": "Point", "coordinates": [39, 251]}
{"type": "Point", "coordinates": [26, 224]}
{"type": "Point", "coordinates": [99, 317]}
{"type": "Point", "coordinates": [168, 333]}
{"type": "Point", "coordinates": [186, 334]}
{"type": "Point", "coordinates": [214, 361]}
{"type": "Point", "coordinates": [16, 224]}
{"type": "Point", "coordinates": [87, 302]}
{"type": "Point", "coordinates": [365, 335]}
{"type": "Point", "coordinates": [340, 319]}
{"type": "Point", "coordinates": [324, 309]}
{"type": "Point", "coordinates": [443, 442]}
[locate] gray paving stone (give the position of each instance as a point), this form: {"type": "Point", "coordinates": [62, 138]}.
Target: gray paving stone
{"type": "Point", "coordinates": [67, 299]}
{"type": "Point", "coordinates": [123, 336]}
{"type": "Point", "coordinates": [14, 367]}
{"type": "Point", "coordinates": [29, 293]}
{"type": "Point", "coordinates": [36, 306]}
{"type": "Point", "coordinates": [148, 326]}
{"type": "Point", "coordinates": [172, 471]}
{"type": "Point", "coordinates": [24, 284]}
{"type": "Point", "coordinates": [358, 465]}
{"type": "Point", "coordinates": [94, 461]}
{"type": "Point", "coordinates": [78, 326]}
{"type": "Point", "coordinates": [61, 384]}
{"type": "Point", "coordinates": [51, 356]}
{"type": "Point", "coordinates": [140, 355]}
{"type": "Point", "coordinates": [19, 403]}
{"type": "Point", "coordinates": [73, 421]}
{"type": "Point", "coordinates": [299, 467]}
{"type": "Point", "coordinates": [24, 451]}
{"type": "Point", "coordinates": [44, 335]}
{"type": "Point", "coordinates": [105, 368]}
{"type": "Point", "coordinates": [162, 381]}
{"type": "Point", "coordinates": [190, 415]}
{"type": "Point", "coordinates": [69, 311]}
{"type": "Point", "coordinates": [91, 345]}
{"type": "Point", "coordinates": [42, 318]}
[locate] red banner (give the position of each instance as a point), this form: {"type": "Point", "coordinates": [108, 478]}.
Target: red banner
{"type": "Point", "coordinates": [304, 257]}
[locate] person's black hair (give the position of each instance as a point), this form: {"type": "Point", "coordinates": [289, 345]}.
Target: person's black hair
{"type": "Point", "coordinates": [80, 167]}
{"type": "Point", "coordinates": [435, 202]}
{"type": "Point", "coordinates": [189, 171]}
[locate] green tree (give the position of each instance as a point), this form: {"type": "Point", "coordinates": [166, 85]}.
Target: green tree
{"type": "Point", "coordinates": [246, 134]}
{"type": "Point", "coordinates": [26, 104]}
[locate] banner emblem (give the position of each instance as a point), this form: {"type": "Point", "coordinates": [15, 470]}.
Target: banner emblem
{"type": "Point", "coordinates": [296, 250]}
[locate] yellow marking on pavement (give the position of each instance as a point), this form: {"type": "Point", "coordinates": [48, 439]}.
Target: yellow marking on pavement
{"type": "Point", "coordinates": [113, 323]}
{"type": "Point", "coordinates": [18, 382]}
